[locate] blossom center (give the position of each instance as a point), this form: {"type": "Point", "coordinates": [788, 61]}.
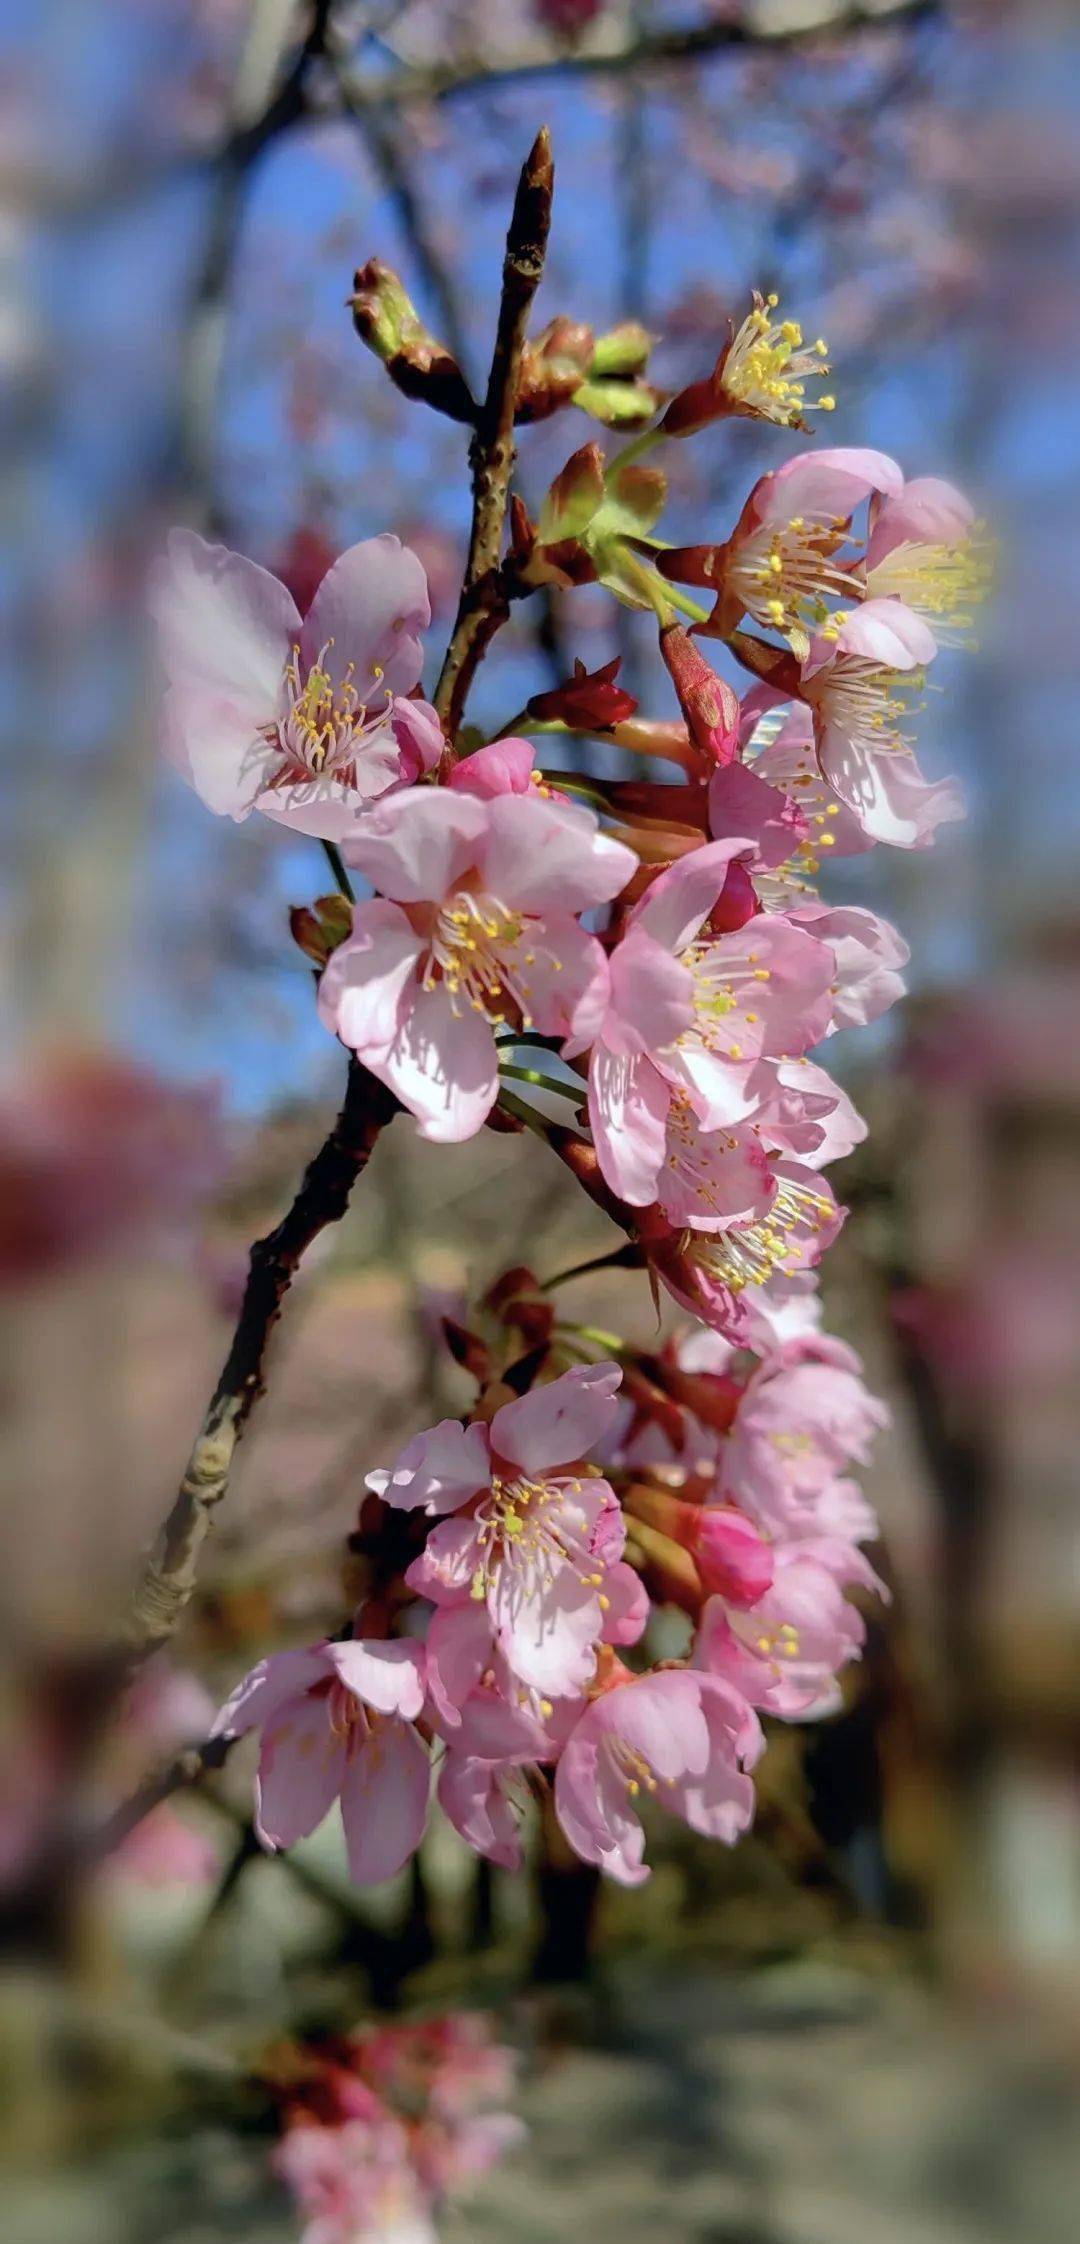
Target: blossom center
{"type": "Point", "coordinates": [785, 573]}
{"type": "Point", "coordinates": [723, 979]}
{"type": "Point", "coordinates": [325, 722]}
{"type": "Point", "coordinates": [480, 950]}
{"type": "Point", "coordinates": [864, 700]}
{"type": "Point", "coordinates": [533, 1527]}
{"type": "Point", "coordinates": [768, 366]}
{"type": "Point", "coordinates": [941, 582]}
{"type": "Point", "coordinates": [748, 1254]}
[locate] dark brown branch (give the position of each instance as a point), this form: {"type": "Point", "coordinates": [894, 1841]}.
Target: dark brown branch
{"type": "Point", "coordinates": [444, 81]}
{"type": "Point", "coordinates": [186, 1768]}
{"type": "Point", "coordinates": [484, 603]}
{"type": "Point", "coordinates": [169, 1575]}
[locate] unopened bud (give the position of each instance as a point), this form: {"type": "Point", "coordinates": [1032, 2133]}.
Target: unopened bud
{"type": "Point", "coordinates": [386, 319]}
{"type": "Point", "coordinates": [709, 704]}
{"type": "Point", "coordinates": [574, 497]}
{"type": "Point", "coordinates": [619, 405]}
{"type": "Point", "coordinates": [553, 365]}
{"type": "Point", "coordinates": [318, 931]}
{"type": "Point", "coordinates": [589, 701]}
{"type": "Point", "coordinates": [623, 350]}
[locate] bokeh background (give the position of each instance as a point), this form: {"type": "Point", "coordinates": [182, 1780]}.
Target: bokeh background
{"type": "Point", "coordinates": [864, 2024]}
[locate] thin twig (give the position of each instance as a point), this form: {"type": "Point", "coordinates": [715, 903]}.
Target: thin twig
{"type": "Point", "coordinates": [444, 81]}
{"type": "Point", "coordinates": [169, 1575]}
{"type": "Point", "coordinates": [483, 605]}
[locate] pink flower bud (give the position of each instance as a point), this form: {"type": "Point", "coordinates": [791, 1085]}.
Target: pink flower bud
{"type": "Point", "coordinates": [709, 704]}
{"type": "Point", "coordinates": [733, 1558]}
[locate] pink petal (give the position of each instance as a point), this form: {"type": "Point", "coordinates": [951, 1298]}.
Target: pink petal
{"type": "Point", "coordinates": [300, 1771]}
{"type": "Point", "coordinates": [927, 512]}
{"type": "Point", "coordinates": [628, 1607]}
{"type": "Point", "coordinates": [388, 1676]}
{"type": "Point", "coordinates": [541, 856]}
{"type": "Point", "coordinates": [442, 1065]}
{"type": "Point", "coordinates": [227, 627]}
{"type": "Point", "coordinates": [504, 767]}
{"type": "Point", "coordinates": [884, 632]}
{"type": "Point", "coordinates": [651, 994]}
{"type": "Point", "coordinates": [547, 1632]}
{"type": "Point", "coordinates": [439, 1470]}
{"type": "Point", "coordinates": [214, 744]}
{"type": "Point", "coordinates": [470, 1794]}
{"type": "Point", "coordinates": [741, 801]}
{"type": "Point", "coordinates": [373, 604]}
{"type": "Point", "coordinates": [325, 807]}
{"type": "Point", "coordinates": [886, 791]}
{"type": "Point", "coordinates": [833, 481]}
{"type": "Point", "coordinates": [559, 1423]}
{"type": "Point", "coordinates": [673, 907]}
{"type": "Point", "coordinates": [459, 1646]}
{"type": "Point", "coordinates": [268, 1687]}
{"type": "Point", "coordinates": [418, 736]}
{"type": "Point", "coordinates": [446, 1566]}
{"type": "Point", "coordinates": [628, 1111]}
{"type": "Point", "coordinates": [384, 1802]}
{"type": "Point", "coordinates": [566, 986]}
{"type": "Point", "coordinates": [361, 989]}
{"type": "Point", "coordinates": [416, 846]}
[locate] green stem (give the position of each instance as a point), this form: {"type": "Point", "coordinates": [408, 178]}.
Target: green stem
{"type": "Point", "coordinates": [543, 1082]}
{"type": "Point", "coordinates": [337, 867]}
{"type": "Point", "coordinates": [523, 1113]}
{"type": "Point", "coordinates": [611, 1342]}
{"type": "Point", "coordinates": [637, 448]}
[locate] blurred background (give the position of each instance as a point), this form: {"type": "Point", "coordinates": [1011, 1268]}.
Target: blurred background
{"type": "Point", "coordinates": [864, 2024]}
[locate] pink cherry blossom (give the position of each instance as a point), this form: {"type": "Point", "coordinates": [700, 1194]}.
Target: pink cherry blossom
{"type": "Point", "coordinates": [869, 955]}
{"type": "Point", "coordinates": [925, 549]}
{"type": "Point", "coordinates": [355, 2182]}
{"type": "Point", "coordinates": [806, 1114]}
{"type": "Point", "coordinates": [682, 1738]}
{"type": "Point", "coordinates": [779, 743]}
{"type": "Point", "coordinates": [803, 1417]}
{"type": "Point", "coordinates": [716, 1274]}
{"type": "Point", "coordinates": [781, 563]}
{"type": "Point", "coordinates": [308, 719]}
{"type": "Point", "coordinates": [785, 1653]}
{"type": "Point", "coordinates": [474, 929]}
{"type": "Point", "coordinates": [503, 767]}
{"type": "Point", "coordinates": [688, 1015]}
{"type": "Point", "coordinates": [856, 681]}
{"type": "Point", "coordinates": [337, 1724]}
{"type": "Point", "coordinates": [534, 1533]}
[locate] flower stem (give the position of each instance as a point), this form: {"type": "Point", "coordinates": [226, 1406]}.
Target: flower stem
{"type": "Point", "coordinates": [544, 1082]}
{"type": "Point", "coordinates": [334, 859]}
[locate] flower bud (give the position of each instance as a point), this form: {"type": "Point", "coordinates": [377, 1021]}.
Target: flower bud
{"type": "Point", "coordinates": [386, 319]}
{"type": "Point", "coordinates": [318, 931]}
{"type": "Point", "coordinates": [553, 365]}
{"type": "Point", "coordinates": [709, 704]}
{"type": "Point", "coordinates": [733, 1558]}
{"type": "Point", "coordinates": [624, 350]}
{"type": "Point", "coordinates": [589, 701]}
{"type": "Point", "coordinates": [574, 497]}
{"type": "Point", "coordinates": [619, 405]}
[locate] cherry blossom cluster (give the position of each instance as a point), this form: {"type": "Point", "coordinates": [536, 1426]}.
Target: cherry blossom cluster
{"type": "Point", "coordinates": [380, 2128]}
{"type": "Point", "coordinates": [643, 972]}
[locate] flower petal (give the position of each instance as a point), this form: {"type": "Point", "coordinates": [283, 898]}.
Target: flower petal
{"type": "Point", "coordinates": [416, 846]}
{"type": "Point", "coordinates": [361, 989]}
{"type": "Point", "coordinates": [373, 605]}
{"type": "Point", "coordinates": [388, 1676]}
{"type": "Point", "coordinates": [540, 856]}
{"type": "Point", "coordinates": [442, 1065]}
{"type": "Point", "coordinates": [440, 1469]}
{"type": "Point", "coordinates": [628, 1111]}
{"type": "Point", "coordinates": [673, 907]}
{"type": "Point", "coordinates": [384, 1802]}
{"type": "Point", "coordinates": [226, 627]}
{"type": "Point", "coordinates": [558, 1423]}
{"type": "Point", "coordinates": [300, 1771]}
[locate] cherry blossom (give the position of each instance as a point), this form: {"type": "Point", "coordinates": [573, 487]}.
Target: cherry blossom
{"type": "Point", "coordinates": [926, 549]}
{"type": "Point", "coordinates": [857, 681]}
{"type": "Point", "coordinates": [535, 1530]}
{"type": "Point", "coordinates": [473, 929]}
{"type": "Point", "coordinates": [688, 1016]}
{"type": "Point", "coordinates": [682, 1738]}
{"type": "Point", "coordinates": [306, 719]}
{"type": "Point", "coordinates": [804, 1416]}
{"type": "Point", "coordinates": [336, 1723]}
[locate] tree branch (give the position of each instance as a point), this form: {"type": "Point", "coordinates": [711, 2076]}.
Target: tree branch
{"type": "Point", "coordinates": [168, 1577]}
{"type": "Point", "coordinates": [484, 604]}
{"type": "Point", "coordinates": [444, 81]}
